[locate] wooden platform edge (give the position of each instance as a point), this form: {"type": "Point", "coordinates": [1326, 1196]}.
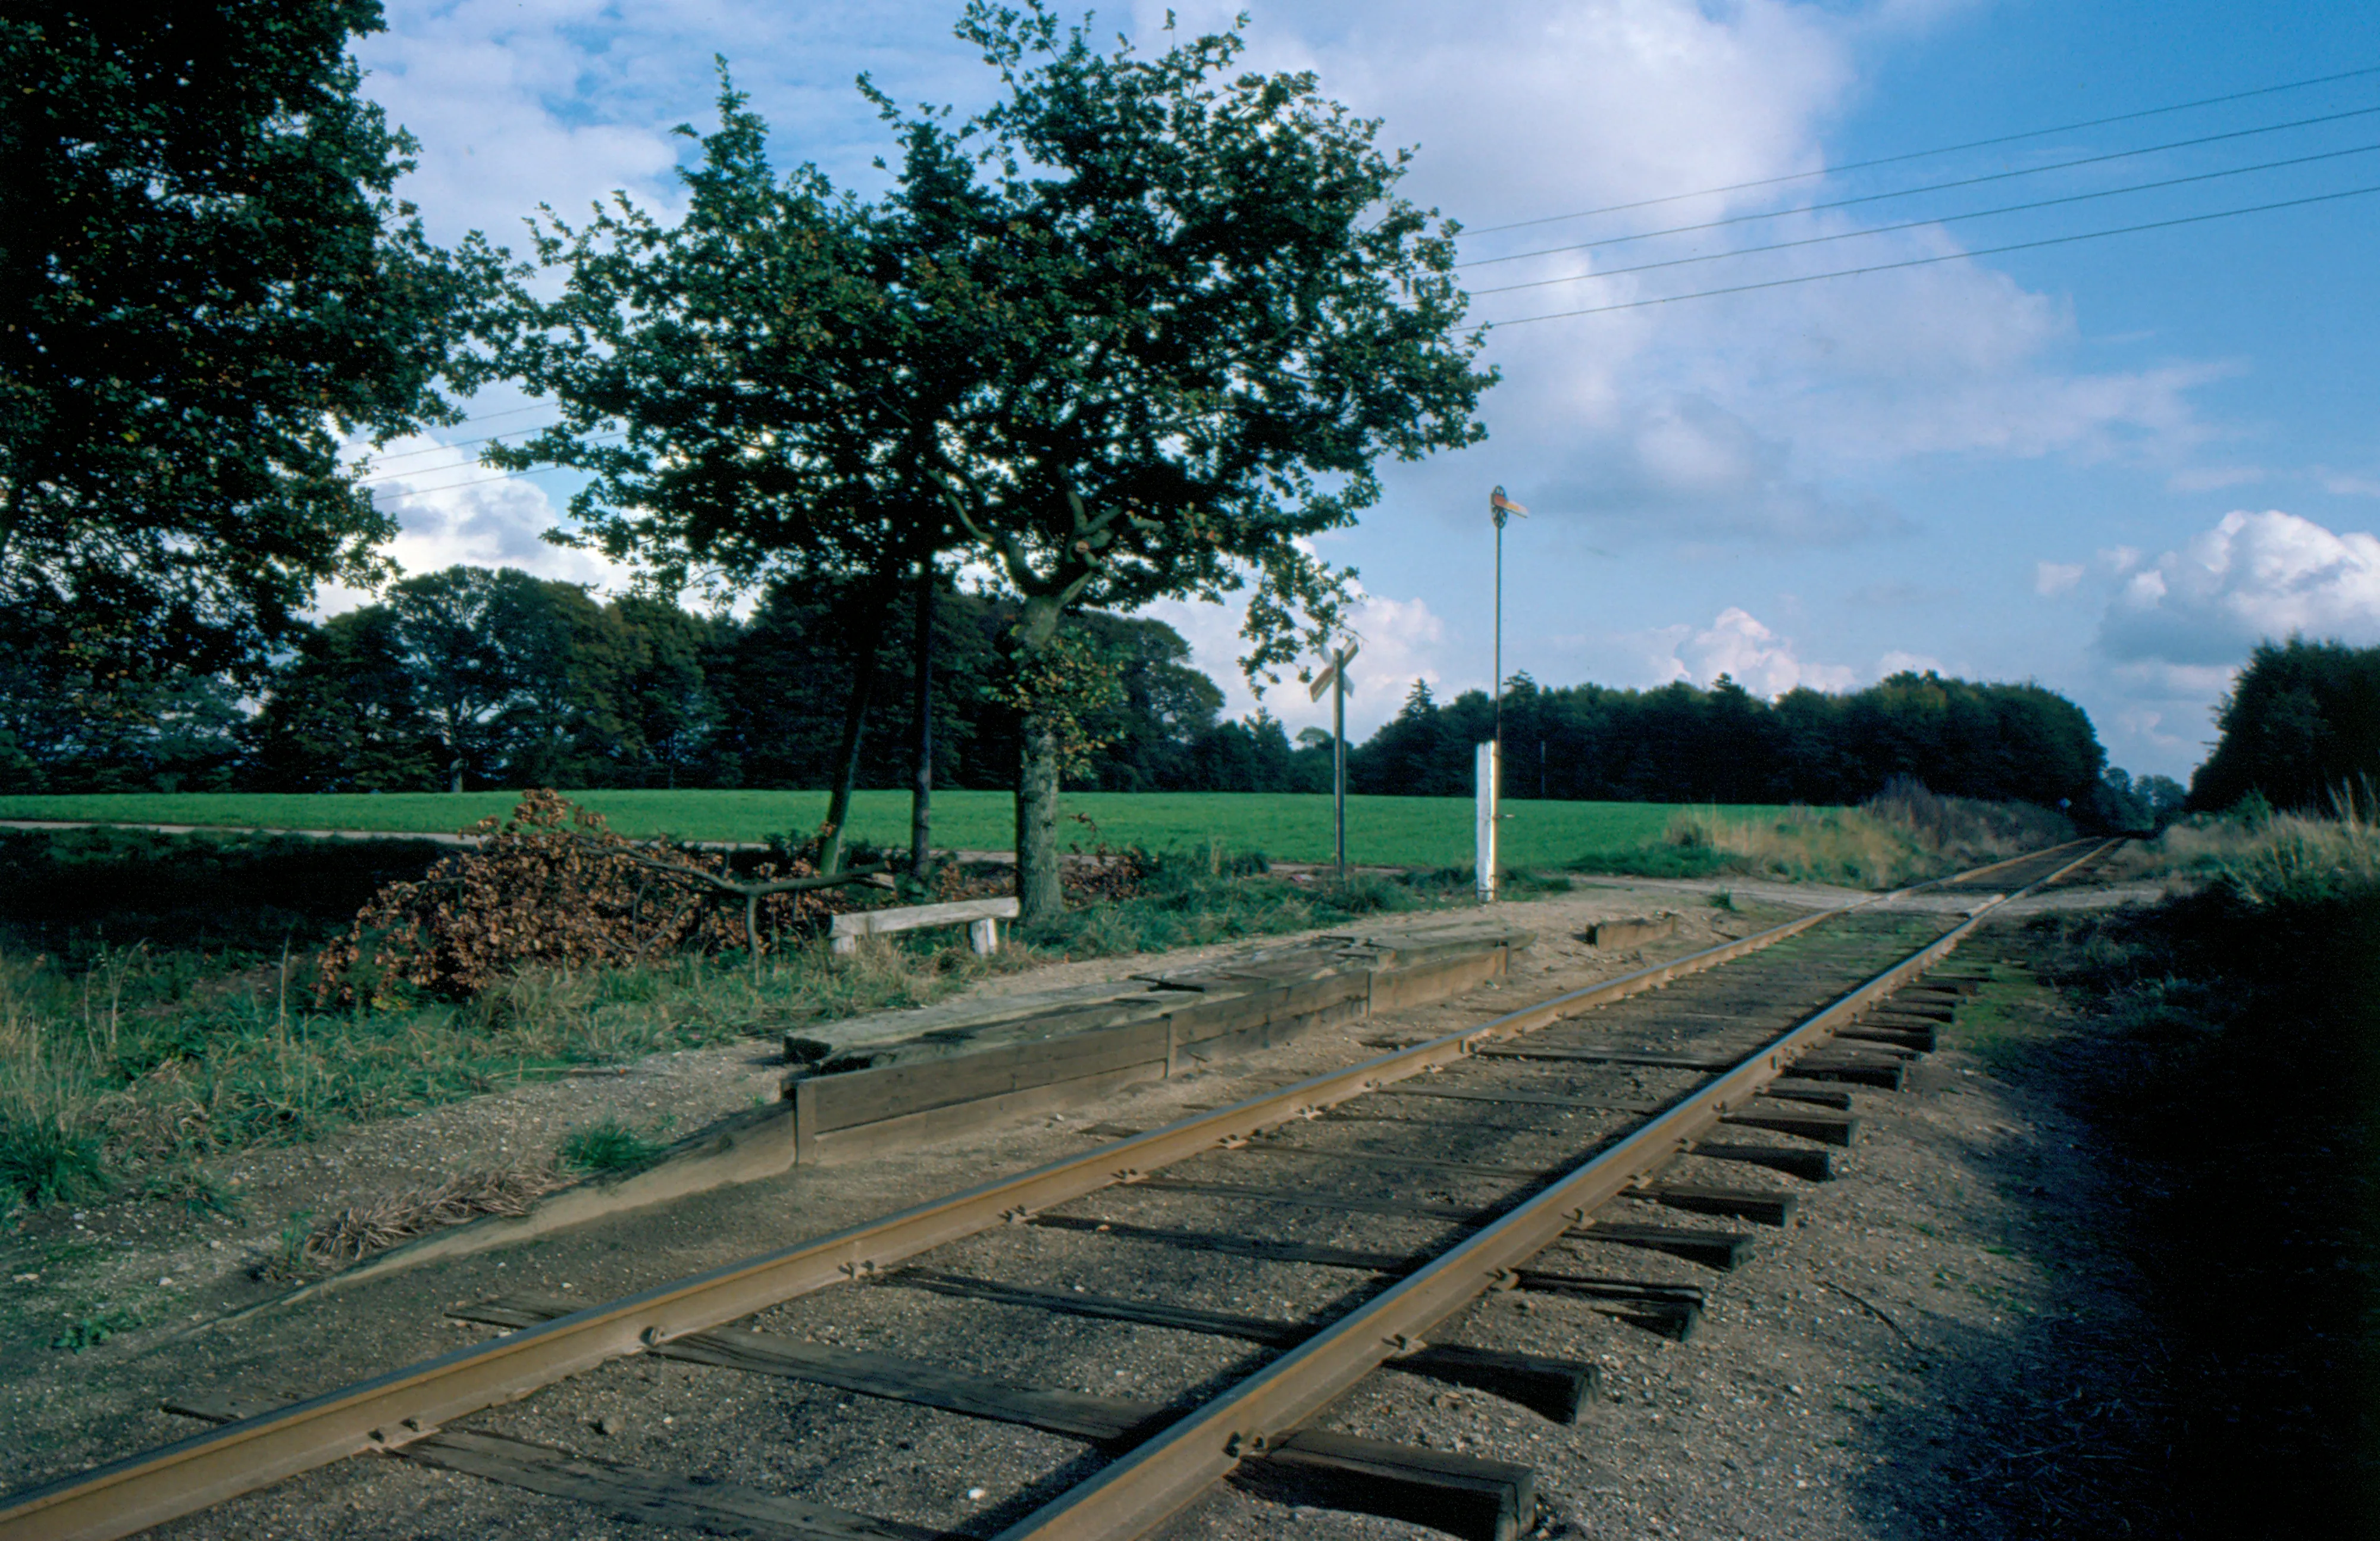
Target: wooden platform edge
{"type": "Point", "coordinates": [870, 1113]}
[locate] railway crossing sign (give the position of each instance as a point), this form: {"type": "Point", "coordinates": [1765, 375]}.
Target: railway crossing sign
{"type": "Point", "coordinates": [1335, 670]}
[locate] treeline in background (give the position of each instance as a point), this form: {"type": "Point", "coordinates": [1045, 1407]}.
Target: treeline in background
{"type": "Point", "coordinates": [2301, 730]}
{"type": "Point", "coordinates": [475, 677]}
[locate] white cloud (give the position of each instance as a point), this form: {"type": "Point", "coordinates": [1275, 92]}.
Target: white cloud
{"type": "Point", "coordinates": [1898, 662]}
{"type": "Point", "coordinates": [2179, 627]}
{"type": "Point", "coordinates": [2347, 485]}
{"type": "Point", "coordinates": [1401, 641]}
{"type": "Point", "coordinates": [450, 510]}
{"type": "Point", "coordinates": [1686, 467]}
{"type": "Point", "coordinates": [2144, 726]}
{"type": "Point", "coordinates": [2253, 575]}
{"type": "Point", "coordinates": [2055, 577]}
{"type": "Point", "coordinates": [1731, 419]}
{"type": "Point", "coordinates": [1739, 646]}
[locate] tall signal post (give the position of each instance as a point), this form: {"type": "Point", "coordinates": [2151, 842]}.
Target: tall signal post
{"type": "Point", "coordinates": [1491, 754]}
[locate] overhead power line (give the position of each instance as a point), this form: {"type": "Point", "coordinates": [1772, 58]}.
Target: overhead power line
{"type": "Point", "coordinates": [1923, 155]}
{"type": "Point", "coordinates": [457, 444]}
{"type": "Point", "coordinates": [380, 496]}
{"type": "Point", "coordinates": [1934, 187]}
{"type": "Point", "coordinates": [1921, 224]}
{"type": "Point", "coordinates": [1945, 257]}
{"type": "Point", "coordinates": [476, 480]}
{"type": "Point", "coordinates": [507, 412]}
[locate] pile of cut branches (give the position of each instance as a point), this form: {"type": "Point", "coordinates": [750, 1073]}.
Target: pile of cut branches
{"type": "Point", "coordinates": [553, 885]}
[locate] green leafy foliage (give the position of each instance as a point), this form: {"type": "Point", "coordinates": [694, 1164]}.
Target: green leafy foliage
{"type": "Point", "coordinates": [96, 1327]}
{"type": "Point", "coordinates": [207, 279]}
{"type": "Point", "coordinates": [2300, 728]}
{"type": "Point", "coordinates": [2270, 995]}
{"type": "Point", "coordinates": [1149, 365]}
{"type": "Point", "coordinates": [1998, 742]}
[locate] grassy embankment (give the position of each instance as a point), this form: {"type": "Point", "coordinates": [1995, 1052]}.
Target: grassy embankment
{"type": "Point", "coordinates": [156, 1001]}
{"type": "Point", "coordinates": [2232, 1055]}
{"type": "Point", "coordinates": [1905, 834]}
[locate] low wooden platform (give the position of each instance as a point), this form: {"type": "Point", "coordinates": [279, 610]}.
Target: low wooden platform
{"type": "Point", "coordinates": [891, 1079]}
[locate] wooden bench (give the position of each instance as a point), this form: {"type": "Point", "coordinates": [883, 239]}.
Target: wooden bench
{"type": "Point", "coordinates": [980, 916]}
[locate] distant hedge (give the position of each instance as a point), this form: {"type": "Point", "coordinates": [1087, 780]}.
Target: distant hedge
{"type": "Point", "coordinates": [2301, 726]}
{"type": "Point", "coordinates": [2002, 743]}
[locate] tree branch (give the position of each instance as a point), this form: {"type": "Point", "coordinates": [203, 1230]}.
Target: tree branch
{"type": "Point", "coordinates": [759, 889]}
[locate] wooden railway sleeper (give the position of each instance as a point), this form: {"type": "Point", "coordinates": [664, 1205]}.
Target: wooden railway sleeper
{"type": "Point", "coordinates": [630, 1492]}
{"type": "Point", "coordinates": [1553, 1388]}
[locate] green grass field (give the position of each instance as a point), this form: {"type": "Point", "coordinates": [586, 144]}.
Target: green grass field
{"type": "Point", "coordinates": [1398, 831]}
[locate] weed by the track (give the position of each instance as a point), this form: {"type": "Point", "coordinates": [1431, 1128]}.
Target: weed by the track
{"type": "Point", "coordinates": [139, 1088]}
{"type": "Point", "coordinates": [200, 1191]}
{"type": "Point", "coordinates": [285, 1258]}
{"type": "Point", "coordinates": [95, 1327]}
{"type": "Point", "coordinates": [47, 1154]}
{"type": "Point", "coordinates": [2266, 858]}
{"type": "Point", "coordinates": [2008, 1022]}
{"type": "Point", "coordinates": [607, 1146]}
{"type": "Point", "coordinates": [1184, 903]}
{"type": "Point", "coordinates": [361, 1229]}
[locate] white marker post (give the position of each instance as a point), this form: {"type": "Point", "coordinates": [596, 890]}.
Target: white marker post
{"type": "Point", "coordinates": [1486, 825]}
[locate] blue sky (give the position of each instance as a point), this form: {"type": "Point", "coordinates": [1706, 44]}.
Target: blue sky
{"type": "Point", "coordinates": [2108, 466]}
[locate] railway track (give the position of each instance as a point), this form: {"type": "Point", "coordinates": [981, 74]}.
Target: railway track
{"type": "Point", "coordinates": [1109, 1336]}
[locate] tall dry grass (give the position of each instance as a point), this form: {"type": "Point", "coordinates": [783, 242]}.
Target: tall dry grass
{"type": "Point", "coordinates": [133, 1075]}
{"type": "Point", "coordinates": [2268, 858]}
{"type": "Point", "coordinates": [1903, 834]}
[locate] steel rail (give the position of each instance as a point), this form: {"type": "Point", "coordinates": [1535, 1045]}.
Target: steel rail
{"type": "Point", "coordinates": [2099, 847]}
{"type": "Point", "coordinates": [390, 1410]}
{"type": "Point", "coordinates": [1142, 1488]}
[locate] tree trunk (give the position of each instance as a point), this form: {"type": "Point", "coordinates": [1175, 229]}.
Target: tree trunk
{"type": "Point", "coordinates": [854, 723]}
{"type": "Point", "coordinates": [922, 796]}
{"type": "Point", "coordinates": [1039, 896]}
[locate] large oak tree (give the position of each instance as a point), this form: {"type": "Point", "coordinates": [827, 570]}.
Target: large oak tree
{"type": "Point", "coordinates": [205, 278]}
{"type": "Point", "coordinates": [1192, 314]}
{"type": "Point", "coordinates": [1137, 331]}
